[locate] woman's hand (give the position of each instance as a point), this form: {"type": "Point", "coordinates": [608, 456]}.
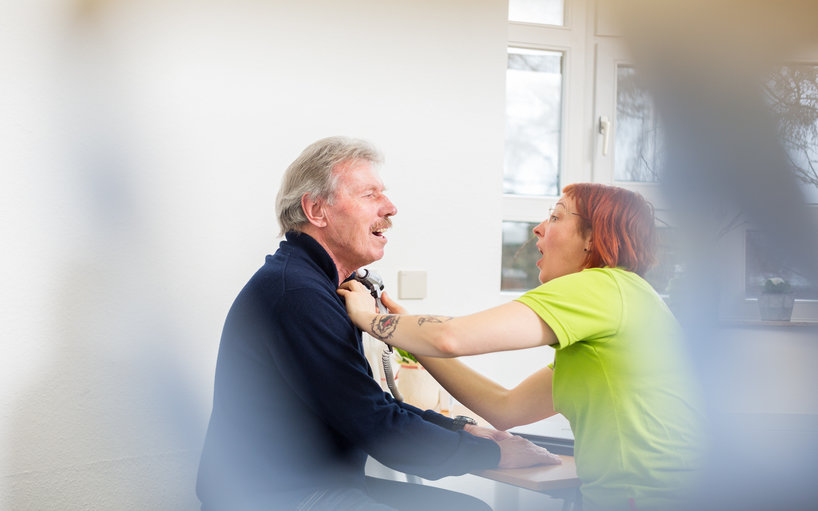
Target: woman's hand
{"type": "Point", "coordinates": [391, 305]}
{"type": "Point", "coordinates": [358, 301]}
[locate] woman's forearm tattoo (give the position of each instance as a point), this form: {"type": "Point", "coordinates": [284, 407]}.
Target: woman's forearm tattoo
{"type": "Point", "coordinates": [383, 326]}
{"type": "Point", "coordinates": [433, 319]}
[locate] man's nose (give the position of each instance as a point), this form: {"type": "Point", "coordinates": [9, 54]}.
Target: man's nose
{"type": "Point", "coordinates": [389, 209]}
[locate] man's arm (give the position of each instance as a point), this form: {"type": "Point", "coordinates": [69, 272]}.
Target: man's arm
{"type": "Point", "coordinates": [515, 451]}
{"type": "Point", "coordinates": [329, 374]}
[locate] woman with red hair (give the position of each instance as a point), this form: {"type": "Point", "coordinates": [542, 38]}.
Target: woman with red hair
{"type": "Point", "coordinates": [619, 374]}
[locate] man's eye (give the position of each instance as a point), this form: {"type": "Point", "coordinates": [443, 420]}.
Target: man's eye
{"type": "Point", "coordinates": [553, 218]}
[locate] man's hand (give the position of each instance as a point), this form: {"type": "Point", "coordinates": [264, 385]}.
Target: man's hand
{"type": "Point", "coordinates": [489, 433]}
{"type": "Point", "coordinates": [517, 452]}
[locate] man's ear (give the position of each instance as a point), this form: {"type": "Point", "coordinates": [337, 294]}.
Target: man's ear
{"type": "Point", "coordinates": [314, 210]}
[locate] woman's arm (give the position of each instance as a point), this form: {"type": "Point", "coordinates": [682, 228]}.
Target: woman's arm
{"type": "Point", "coordinates": [507, 327]}
{"type": "Point", "coordinates": [528, 402]}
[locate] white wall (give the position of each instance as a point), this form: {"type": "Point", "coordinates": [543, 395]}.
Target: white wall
{"type": "Point", "coordinates": [142, 146]}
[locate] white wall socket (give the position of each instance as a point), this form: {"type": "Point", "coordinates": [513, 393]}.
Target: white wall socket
{"type": "Point", "coordinates": [411, 285]}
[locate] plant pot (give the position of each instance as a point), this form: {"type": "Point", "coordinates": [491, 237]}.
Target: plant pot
{"type": "Point", "coordinates": [418, 387]}
{"type": "Point", "coordinates": [775, 307]}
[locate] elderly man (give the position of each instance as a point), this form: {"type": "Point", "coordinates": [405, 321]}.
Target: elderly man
{"type": "Point", "coordinates": [295, 409]}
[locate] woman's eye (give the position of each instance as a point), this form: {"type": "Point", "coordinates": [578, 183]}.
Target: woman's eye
{"type": "Point", "coordinates": [553, 218]}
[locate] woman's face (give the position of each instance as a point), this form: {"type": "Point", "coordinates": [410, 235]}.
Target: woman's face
{"type": "Point", "coordinates": [559, 240]}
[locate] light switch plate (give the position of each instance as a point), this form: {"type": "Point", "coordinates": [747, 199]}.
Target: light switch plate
{"type": "Point", "coordinates": [411, 285]}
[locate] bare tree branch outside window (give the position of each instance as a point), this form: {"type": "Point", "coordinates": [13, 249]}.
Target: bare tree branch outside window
{"type": "Point", "coordinates": [638, 144]}
{"type": "Point", "coordinates": [533, 122]}
{"type": "Point", "coordinates": [793, 94]}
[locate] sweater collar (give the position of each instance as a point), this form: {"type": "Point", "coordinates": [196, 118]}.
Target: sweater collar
{"type": "Point", "coordinates": [315, 252]}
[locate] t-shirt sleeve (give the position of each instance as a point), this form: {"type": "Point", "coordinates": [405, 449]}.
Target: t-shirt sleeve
{"type": "Point", "coordinates": [580, 306]}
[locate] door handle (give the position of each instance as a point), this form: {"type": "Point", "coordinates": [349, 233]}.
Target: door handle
{"type": "Point", "coordinates": [605, 131]}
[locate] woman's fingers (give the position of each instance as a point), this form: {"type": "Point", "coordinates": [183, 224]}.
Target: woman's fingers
{"type": "Point", "coordinates": [391, 304]}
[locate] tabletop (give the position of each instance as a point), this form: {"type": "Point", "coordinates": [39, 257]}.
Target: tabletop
{"type": "Point", "coordinates": [537, 478]}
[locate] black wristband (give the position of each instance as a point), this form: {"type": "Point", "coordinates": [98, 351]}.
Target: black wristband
{"type": "Point", "coordinates": [460, 422]}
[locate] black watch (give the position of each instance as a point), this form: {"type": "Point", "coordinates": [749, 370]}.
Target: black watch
{"type": "Point", "coordinates": [460, 422]}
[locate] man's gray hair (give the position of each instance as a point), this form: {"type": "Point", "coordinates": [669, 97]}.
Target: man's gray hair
{"type": "Point", "coordinates": [311, 174]}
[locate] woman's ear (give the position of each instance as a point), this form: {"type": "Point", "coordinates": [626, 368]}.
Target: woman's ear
{"type": "Point", "coordinates": [314, 210]}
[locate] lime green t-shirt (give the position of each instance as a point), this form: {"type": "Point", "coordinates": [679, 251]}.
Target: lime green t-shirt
{"type": "Point", "coordinates": [622, 380]}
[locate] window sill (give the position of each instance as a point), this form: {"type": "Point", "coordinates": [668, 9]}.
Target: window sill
{"type": "Point", "coordinates": [756, 323]}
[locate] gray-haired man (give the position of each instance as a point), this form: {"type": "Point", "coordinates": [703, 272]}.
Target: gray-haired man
{"type": "Point", "coordinates": [295, 409]}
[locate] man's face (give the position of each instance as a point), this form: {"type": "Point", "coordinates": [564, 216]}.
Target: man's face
{"type": "Point", "coordinates": [358, 216]}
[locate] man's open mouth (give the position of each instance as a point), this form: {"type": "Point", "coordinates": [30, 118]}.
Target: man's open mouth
{"type": "Point", "coordinates": [381, 227]}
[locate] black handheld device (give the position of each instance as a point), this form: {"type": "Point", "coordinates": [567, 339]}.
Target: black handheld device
{"type": "Point", "coordinates": [374, 283]}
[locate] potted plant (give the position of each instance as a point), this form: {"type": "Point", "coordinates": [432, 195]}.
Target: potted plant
{"type": "Point", "coordinates": [776, 300]}
{"type": "Point", "coordinates": [417, 386]}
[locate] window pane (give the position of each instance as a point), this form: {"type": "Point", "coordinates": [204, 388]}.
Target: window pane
{"type": "Point", "coordinates": [520, 256]}
{"type": "Point", "coordinates": [544, 12]}
{"type": "Point", "coordinates": [668, 263]}
{"type": "Point", "coordinates": [793, 94]}
{"type": "Point", "coordinates": [533, 122]}
{"type": "Point", "coordinates": [638, 144]}
{"type": "Point", "coordinates": [761, 265]}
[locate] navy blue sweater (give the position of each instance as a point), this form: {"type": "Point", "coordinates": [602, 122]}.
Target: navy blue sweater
{"type": "Point", "coordinates": [295, 407]}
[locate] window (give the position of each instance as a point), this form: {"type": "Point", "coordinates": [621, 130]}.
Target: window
{"type": "Point", "coordinates": [566, 66]}
{"type": "Point", "coordinates": [628, 146]}
{"type": "Point", "coordinates": [760, 267]}
{"type": "Point", "coordinates": [638, 144]}
{"type": "Point", "coordinates": [543, 133]}
{"type": "Point", "coordinates": [668, 263]}
{"type": "Point", "coordinates": [533, 122]}
{"type": "Point", "coordinates": [792, 92]}
{"type": "Point", "coordinates": [520, 256]}
{"type": "Point", "coordinates": [635, 158]}
{"type": "Point", "coordinates": [543, 12]}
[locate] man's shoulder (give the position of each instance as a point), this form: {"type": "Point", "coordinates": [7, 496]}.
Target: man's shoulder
{"type": "Point", "coordinates": [275, 296]}
{"type": "Point", "coordinates": [290, 279]}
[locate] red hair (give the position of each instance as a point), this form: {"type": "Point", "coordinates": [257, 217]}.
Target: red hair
{"type": "Point", "coordinates": [621, 223]}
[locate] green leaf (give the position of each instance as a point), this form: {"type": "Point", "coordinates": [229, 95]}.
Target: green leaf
{"type": "Point", "coordinates": [405, 356]}
{"type": "Point", "coordinates": [776, 285]}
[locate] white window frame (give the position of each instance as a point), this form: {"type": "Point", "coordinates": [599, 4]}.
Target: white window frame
{"type": "Point", "coordinates": [569, 39]}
